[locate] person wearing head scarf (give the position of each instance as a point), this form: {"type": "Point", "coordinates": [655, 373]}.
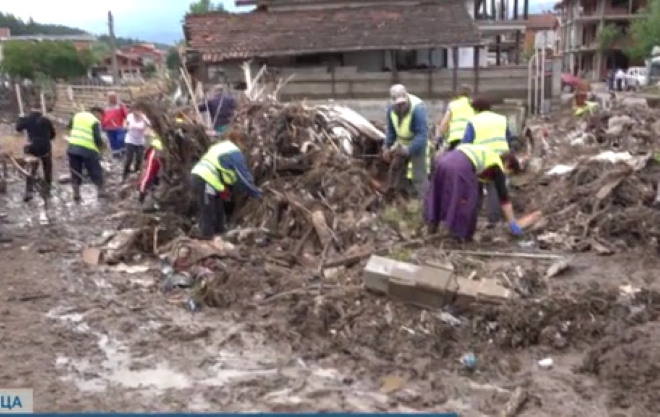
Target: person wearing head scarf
{"type": "Point", "coordinates": [406, 134]}
{"type": "Point", "coordinates": [453, 195]}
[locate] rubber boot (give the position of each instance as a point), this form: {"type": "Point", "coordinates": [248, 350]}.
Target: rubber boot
{"type": "Point", "coordinates": [76, 194]}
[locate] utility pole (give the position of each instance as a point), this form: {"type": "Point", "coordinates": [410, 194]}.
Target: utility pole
{"type": "Point", "coordinates": [113, 48]}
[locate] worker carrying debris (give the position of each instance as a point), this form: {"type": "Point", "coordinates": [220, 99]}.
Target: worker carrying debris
{"type": "Point", "coordinates": [492, 131]}
{"type": "Point", "coordinates": [84, 150]}
{"type": "Point", "coordinates": [453, 196]}
{"type": "Point", "coordinates": [40, 133]}
{"type": "Point", "coordinates": [222, 167]}
{"type": "Point", "coordinates": [459, 112]}
{"type": "Point", "coordinates": [407, 134]}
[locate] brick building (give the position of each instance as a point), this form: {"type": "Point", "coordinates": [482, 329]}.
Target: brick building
{"type": "Point", "coordinates": [580, 22]}
{"type": "Point", "coordinates": [147, 52]}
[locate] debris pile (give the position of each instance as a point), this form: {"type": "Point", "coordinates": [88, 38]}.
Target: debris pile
{"type": "Point", "coordinates": [315, 166]}
{"type": "Point", "coordinates": [604, 203]}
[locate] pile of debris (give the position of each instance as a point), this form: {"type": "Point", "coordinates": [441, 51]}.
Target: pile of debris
{"type": "Point", "coordinates": [604, 203]}
{"type": "Point", "coordinates": [313, 164]}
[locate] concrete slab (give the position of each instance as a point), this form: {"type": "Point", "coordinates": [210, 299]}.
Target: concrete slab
{"type": "Point", "coordinates": [426, 286]}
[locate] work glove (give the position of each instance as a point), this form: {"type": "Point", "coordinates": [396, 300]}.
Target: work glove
{"type": "Point", "coordinates": [515, 229]}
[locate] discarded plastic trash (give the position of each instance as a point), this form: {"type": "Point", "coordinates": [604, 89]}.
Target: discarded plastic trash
{"type": "Point", "coordinates": [546, 363]}
{"type": "Point", "coordinates": [191, 305]}
{"type": "Point", "coordinates": [449, 319]}
{"type": "Point", "coordinates": [469, 361]}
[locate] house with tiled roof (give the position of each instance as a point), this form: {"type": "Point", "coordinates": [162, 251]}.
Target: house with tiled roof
{"type": "Point", "coordinates": [349, 49]}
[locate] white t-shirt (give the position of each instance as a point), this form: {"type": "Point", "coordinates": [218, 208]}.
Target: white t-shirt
{"type": "Point", "coordinates": [136, 129]}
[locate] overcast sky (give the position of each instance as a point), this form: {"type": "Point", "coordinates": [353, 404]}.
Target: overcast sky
{"type": "Point", "coordinates": [132, 17]}
{"type": "Point", "coordinates": [151, 20]}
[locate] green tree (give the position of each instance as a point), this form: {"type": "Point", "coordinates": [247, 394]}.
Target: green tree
{"type": "Point", "coordinates": [205, 6]}
{"type": "Point", "coordinates": [173, 59]}
{"type": "Point", "coordinates": [58, 60]}
{"type": "Point", "coordinates": [644, 31]}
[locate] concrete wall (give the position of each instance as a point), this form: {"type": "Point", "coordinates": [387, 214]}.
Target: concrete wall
{"type": "Point", "coordinates": [347, 83]}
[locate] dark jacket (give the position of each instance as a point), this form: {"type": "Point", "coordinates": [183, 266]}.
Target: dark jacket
{"type": "Point", "coordinates": [222, 105]}
{"type": "Point", "coordinates": [84, 152]}
{"type": "Point", "coordinates": [40, 131]}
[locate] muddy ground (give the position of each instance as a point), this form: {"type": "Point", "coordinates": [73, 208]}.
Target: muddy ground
{"type": "Point", "coordinates": [100, 339]}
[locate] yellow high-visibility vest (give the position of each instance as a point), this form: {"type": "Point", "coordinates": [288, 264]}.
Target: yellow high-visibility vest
{"type": "Point", "coordinates": [402, 130]}
{"type": "Point", "coordinates": [461, 112]}
{"type": "Point", "coordinates": [82, 131]}
{"type": "Point", "coordinates": [429, 153]}
{"type": "Point", "coordinates": [588, 107]}
{"type": "Point", "coordinates": [210, 170]}
{"type": "Point", "coordinates": [490, 131]}
{"type": "Point", "coordinates": [481, 157]}
{"type": "Point", "coordinates": [156, 144]}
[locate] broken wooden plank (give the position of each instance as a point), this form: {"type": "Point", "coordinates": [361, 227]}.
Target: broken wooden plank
{"type": "Point", "coordinates": [348, 260]}
{"type": "Point", "coordinates": [519, 255]}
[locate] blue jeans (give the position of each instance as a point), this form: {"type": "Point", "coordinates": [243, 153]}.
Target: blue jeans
{"type": "Point", "coordinates": [116, 139]}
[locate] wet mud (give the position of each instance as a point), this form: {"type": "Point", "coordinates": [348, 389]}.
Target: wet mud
{"type": "Point", "coordinates": [105, 338]}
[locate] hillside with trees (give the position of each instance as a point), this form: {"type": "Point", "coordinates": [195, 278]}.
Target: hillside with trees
{"type": "Point", "coordinates": [58, 60]}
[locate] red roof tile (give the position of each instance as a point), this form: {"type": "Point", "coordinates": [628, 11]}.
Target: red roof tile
{"type": "Point", "coordinates": [222, 36]}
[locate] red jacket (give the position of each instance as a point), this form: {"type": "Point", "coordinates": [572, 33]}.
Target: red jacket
{"type": "Point", "coordinates": [151, 172]}
{"type": "Point", "coordinates": [114, 117]}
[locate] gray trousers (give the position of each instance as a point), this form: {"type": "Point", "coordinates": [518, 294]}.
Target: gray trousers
{"type": "Point", "coordinates": [420, 179]}
{"type": "Point", "coordinates": [493, 208]}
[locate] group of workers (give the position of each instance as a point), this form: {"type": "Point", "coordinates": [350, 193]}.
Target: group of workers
{"type": "Point", "coordinates": [476, 159]}
{"type": "Point", "coordinates": [221, 169]}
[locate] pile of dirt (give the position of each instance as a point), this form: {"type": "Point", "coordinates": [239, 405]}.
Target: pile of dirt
{"type": "Point", "coordinates": [604, 204]}
{"type": "Point", "coordinates": [627, 363]}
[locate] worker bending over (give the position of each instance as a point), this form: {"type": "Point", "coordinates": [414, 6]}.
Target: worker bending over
{"type": "Point", "coordinates": [492, 131]}
{"type": "Point", "coordinates": [222, 167]}
{"type": "Point", "coordinates": [150, 177]}
{"type": "Point", "coordinates": [40, 134]}
{"type": "Point", "coordinates": [459, 112]}
{"type": "Point", "coordinates": [453, 196]}
{"type": "Point", "coordinates": [407, 134]}
{"type": "Point", "coordinates": [84, 150]}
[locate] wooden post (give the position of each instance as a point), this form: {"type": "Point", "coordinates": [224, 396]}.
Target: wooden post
{"type": "Point", "coordinates": [476, 70]}
{"type": "Point", "coordinates": [516, 49]}
{"type": "Point", "coordinates": [454, 54]}
{"type": "Point", "coordinates": [113, 48]}
{"type": "Point", "coordinates": [395, 71]}
{"type": "Point", "coordinates": [332, 80]}
{"type": "Point", "coordinates": [430, 74]}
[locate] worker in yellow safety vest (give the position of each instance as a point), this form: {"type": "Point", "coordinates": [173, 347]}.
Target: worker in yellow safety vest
{"type": "Point", "coordinates": [222, 167]}
{"type": "Point", "coordinates": [84, 150]}
{"type": "Point", "coordinates": [407, 134]}
{"type": "Point", "coordinates": [587, 108]}
{"type": "Point", "coordinates": [491, 130]}
{"type": "Point", "coordinates": [453, 196]}
{"type": "Point", "coordinates": [459, 112]}
{"type": "Point", "coordinates": [150, 177]}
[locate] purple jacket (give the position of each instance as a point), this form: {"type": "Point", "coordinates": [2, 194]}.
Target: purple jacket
{"type": "Point", "coordinates": [222, 105]}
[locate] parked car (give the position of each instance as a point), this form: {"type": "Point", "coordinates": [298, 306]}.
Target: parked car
{"type": "Point", "coordinates": [636, 77]}
{"type": "Point", "coordinates": [569, 82]}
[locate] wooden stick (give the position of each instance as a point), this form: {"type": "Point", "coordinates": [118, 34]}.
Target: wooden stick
{"type": "Point", "coordinates": [519, 255]}
{"type": "Point", "coordinates": [515, 403]}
